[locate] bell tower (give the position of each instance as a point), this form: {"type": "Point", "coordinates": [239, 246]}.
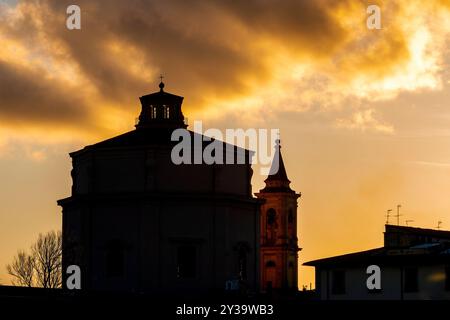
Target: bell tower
{"type": "Point", "coordinates": [278, 243]}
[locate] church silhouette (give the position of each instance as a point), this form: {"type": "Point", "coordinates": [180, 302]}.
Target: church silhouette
{"type": "Point", "coordinates": [137, 222]}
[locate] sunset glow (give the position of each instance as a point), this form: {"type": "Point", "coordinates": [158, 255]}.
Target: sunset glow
{"type": "Point", "coordinates": [364, 115]}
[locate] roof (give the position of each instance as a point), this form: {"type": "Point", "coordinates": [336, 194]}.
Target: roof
{"type": "Point", "coordinates": [148, 137]}
{"type": "Point", "coordinates": [162, 96]}
{"type": "Point", "coordinates": [418, 231]}
{"type": "Point", "coordinates": [347, 258]}
{"type": "Point", "coordinates": [157, 130]}
{"type": "Point", "coordinates": [277, 180]}
{"type": "Point", "coordinates": [384, 256]}
{"type": "Point", "coordinates": [402, 244]}
{"type": "Point", "coordinates": [277, 168]}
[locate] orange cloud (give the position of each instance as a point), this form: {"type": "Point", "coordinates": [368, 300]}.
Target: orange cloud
{"type": "Point", "coordinates": [364, 120]}
{"type": "Point", "coordinates": [220, 55]}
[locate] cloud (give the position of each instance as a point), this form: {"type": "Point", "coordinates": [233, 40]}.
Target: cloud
{"type": "Point", "coordinates": [26, 95]}
{"type": "Point", "coordinates": [37, 155]}
{"type": "Point", "coordinates": [29, 143]}
{"type": "Point", "coordinates": [432, 164]}
{"type": "Point", "coordinates": [364, 120]}
{"type": "Point", "coordinates": [219, 54]}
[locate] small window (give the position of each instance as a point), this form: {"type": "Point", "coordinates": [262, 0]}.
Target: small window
{"type": "Point", "coordinates": [411, 280]}
{"type": "Point", "coordinates": [290, 217]}
{"type": "Point", "coordinates": [338, 282]}
{"type": "Point", "coordinates": [271, 216]}
{"type": "Point", "coordinates": [447, 278]}
{"type": "Point", "coordinates": [166, 112]}
{"type": "Point", "coordinates": [153, 112]}
{"type": "Point", "coordinates": [242, 264]}
{"type": "Point", "coordinates": [186, 262]}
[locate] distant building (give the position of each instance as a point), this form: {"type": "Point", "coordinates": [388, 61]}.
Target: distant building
{"type": "Point", "coordinates": [138, 222]}
{"type": "Point", "coordinates": [414, 263]}
{"type": "Point", "coordinates": [279, 243]}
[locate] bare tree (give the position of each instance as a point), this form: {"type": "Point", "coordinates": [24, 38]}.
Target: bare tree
{"type": "Point", "coordinates": [22, 269]}
{"type": "Point", "coordinates": [43, 267]}
{"type": "Point", "coordinates": [47, 252]}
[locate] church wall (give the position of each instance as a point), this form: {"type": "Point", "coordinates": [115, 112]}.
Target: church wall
{"type": "Point", "coordinates": [82, 169]}
{"type": "Point", "coordinates": [118, 226]}
{"type": "Point", "coordinates": [119, 173]}
{"type": "Point", "coordinates": [245, 227]}
{"type": "Point", "coordinates": [185, 225]}
{"type": "Point", "coordinates": [72, 233]}
{"type": "Point", "coordinates": [151, 232]}
{"type": "Point", "coordinates": [151, 249]}
{"type": "Point", "coordinates": [187, 178]}
{"type": "Point", "coordinates": [143, 169]}
{"type": "Point", "coordinates": [224, 182]}
{"type": "Point", "coordinates": [215, 231]}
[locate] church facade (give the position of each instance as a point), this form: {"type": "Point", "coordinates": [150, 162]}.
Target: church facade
{"type": "Point", "coordinates": [137, 222]}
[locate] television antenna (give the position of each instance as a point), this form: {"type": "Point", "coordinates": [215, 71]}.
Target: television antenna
{"type": "Point", "coordinates": [408, 222]}
{"type": "Point", "coordinates": [439, 225]}
{"type": "Point", "coordinates": [398, 214]}
{"type": "Point", "coordinates": [388, 214]}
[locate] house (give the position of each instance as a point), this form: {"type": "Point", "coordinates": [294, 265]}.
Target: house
{"type": "Point", "coordinates": [414, 264]}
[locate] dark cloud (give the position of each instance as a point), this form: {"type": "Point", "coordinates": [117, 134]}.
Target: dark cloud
{"type": "Point", "coordinates": [26, 96]}
{"type": "Point", "coordinates": [305, 25]}
{"type": "Point", "coordinates": [205, 48]}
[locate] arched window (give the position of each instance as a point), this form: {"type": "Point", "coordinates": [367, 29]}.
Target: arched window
{"type": "Point", "coordinates": [166, 112]}
{"type": "Point", "coordinates": [271, 217]}
{"type": "Point", "coordinates": [152, 112]}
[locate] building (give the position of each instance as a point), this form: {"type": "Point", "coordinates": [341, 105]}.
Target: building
{"type": "Point", "coordinates": [137, 222]}
{"type": "Point", "coordinates": [414, 264]}
{"type": "Point", "coordinates": [279, 243]}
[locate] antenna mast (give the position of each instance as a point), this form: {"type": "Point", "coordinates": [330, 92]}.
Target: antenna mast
{"type": "Point", "coordinates": [398, 214]}
{"type": "Point", "coordinates": [388, 214]}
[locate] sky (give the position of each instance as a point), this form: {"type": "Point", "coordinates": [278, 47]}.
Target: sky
{"type": "Point", "coordinates": [364, 114]}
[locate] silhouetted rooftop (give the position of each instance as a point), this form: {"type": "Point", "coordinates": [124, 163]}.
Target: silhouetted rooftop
{"type": "Point", "coordinates": [277, 180]}
{"type": "Point", "coordinates": [418, 231]}
{"type": "Point", "coordinates": [161, 95]}
{"type": "Point", "coordinates": [402, 245]}
{"type": "Point", "coordinates": [161, 114]}
{"type": "Point", "coordinates": [147, 137]}
{"type": "Point", "coordinates": [278, 167]}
